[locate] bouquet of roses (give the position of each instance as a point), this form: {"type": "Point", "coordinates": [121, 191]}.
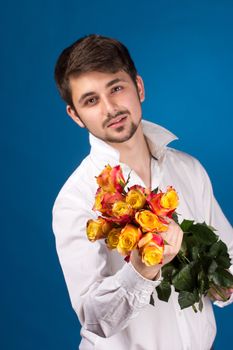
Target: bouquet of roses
{"type": "Point", "coordinates": [133, 218]}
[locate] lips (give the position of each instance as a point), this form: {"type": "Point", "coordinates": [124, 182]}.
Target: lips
{"type": "Point", "coordinates": [117, 121]}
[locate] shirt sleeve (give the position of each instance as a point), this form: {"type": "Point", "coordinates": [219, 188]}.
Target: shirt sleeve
{"type": "Point", "coordinates": [215, 217]}
{"type": "Point", "coordinates": [104, 301]}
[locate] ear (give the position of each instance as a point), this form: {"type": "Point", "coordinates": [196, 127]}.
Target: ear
{"type": "Point", "coordinates": [72, 113]}
{"type": "Point", "coordinates": [141, 90]}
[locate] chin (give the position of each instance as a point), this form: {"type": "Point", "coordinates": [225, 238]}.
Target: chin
{"type": "Point", "coordinates": [123, 135]}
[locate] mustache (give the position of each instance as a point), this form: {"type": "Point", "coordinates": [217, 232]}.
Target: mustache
{"type": "Point", "coordinates": [111, 117]}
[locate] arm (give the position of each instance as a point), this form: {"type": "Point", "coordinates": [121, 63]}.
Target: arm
{"type": "Point", "coordinates": [104, 301]}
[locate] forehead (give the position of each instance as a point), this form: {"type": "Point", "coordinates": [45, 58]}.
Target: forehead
{"type": "Point", "coordinates": [93, 81]}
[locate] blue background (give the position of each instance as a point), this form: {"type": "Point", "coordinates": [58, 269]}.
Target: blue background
{"type": "Point", "coordinates": [183, 50]}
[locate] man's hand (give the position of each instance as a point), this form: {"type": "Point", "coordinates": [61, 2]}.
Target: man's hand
{"type": "Point", "coordinates": [173, 236]}
{"type": "Point", "coordinates": [223, 294]}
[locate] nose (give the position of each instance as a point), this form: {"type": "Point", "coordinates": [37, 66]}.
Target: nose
{"type": "Point", "coordinates": [109, 106]}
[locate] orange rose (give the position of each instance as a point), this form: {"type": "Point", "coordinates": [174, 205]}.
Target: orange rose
{"type": "Point", "coordinates": [97, 229]}
{"type": "Point", "coordinates": [164, 204]}
{"type": "Point", "coordinates": [149, 221]}
{"type": "Point", "coordinates": [111, 179]}
{"type": "Point", "coordinates": [98, 200]}
{"type": "Point", "coordinates": [135, 198]}
{"type": "Point", "coordinates": [113, 237]}
{"type": "Point", "coordinates": [152, 251]}
{"type": "Point", "coordinates": [128, 239]}
{"type": "Point", "coordinates": [105, 200]}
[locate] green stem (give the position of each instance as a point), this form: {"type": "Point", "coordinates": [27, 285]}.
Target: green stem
{"type": "Point", "coordinates": [219, 292]}
{"type": "Point", "coordinates": [183, 258]}
{"type": "Point", "coordinates": [180, 258]}
{"type": "Point", "coordinates": [211, 295]}
{"type": "Point", "coordinates": [188, 261]}
{"type": "Point", "coordinates": [194, 308]}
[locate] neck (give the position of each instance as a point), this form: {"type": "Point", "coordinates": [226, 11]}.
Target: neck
{"type": "Point", "coordinates": [135, 153]}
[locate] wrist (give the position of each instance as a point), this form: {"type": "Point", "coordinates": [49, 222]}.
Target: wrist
{"type": "Point", "coordinates": [149, 272]}
{"type": "Point", "coordinates": [153, 275]}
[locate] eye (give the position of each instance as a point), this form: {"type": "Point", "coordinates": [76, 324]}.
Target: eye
{"type": "Point", "coordinates": [91, 101]}
{"type": "Point", "coordinates": [117, 88]}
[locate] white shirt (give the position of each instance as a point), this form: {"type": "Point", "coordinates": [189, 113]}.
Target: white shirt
{"type": "Point", "coordinates": [110, 298]}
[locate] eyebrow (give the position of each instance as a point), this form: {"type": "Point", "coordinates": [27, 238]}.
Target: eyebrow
{"type": "Point", "coordinates": [91, 93]}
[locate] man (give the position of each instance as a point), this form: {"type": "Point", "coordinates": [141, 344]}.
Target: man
{"type": "Point", "coordinates": [98, 80]}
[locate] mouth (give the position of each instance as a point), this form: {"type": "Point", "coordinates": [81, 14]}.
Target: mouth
{"type": "Point", "coordinates": [117, 122]}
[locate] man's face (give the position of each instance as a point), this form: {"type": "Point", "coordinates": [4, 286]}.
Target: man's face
{"type": "Point", "coordinates": [107, 104]}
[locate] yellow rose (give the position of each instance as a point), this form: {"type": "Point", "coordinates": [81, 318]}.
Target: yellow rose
{"type": "Point", "coordinates": [128, 239]}
{"type": "Point", "coordinates": [152, 254]}
{"type": "Point", "coordinates": [136, 199]}
{"type": "Point", "coordinates": [113, 237]}
{"type": "Point", "coordinates": [170, 200]}
{"type": "Point", "coordinates": [121, 208]}
{"type": "Point", "coordinates": [97, 229]}
{"type": "Point", "coordinates": [149, 221]}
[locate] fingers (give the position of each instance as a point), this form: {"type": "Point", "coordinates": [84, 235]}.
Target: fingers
{"type": "Point", "coordinates": [218, 295]}
{"type": "Point", "coordinates": [173, 235]}
{"type": "Point", "coordinates": [149, 272]}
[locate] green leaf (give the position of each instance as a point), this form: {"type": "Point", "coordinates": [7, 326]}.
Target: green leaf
{"type": "Point", "coordinates": [194, 252]}
{"type": "Point", "coordinates": [219, 252]}
{"type": "Point", "coordinates": [204, 234]}
{"type": "Point", "coordinates": [212, 268]}
{"type": "Point", "coordinates": [152, 302]}
{"type": "Point", "coordinates": [210, 227]}
{"type": "Point", "coordinates": [206, 261]}
{"type": "Point", "coordinates": [203, 282]}
{"type": "Point", "coordinates": [200, 305]}
{"type": "Point", "coordinates": [164, 291]}
{"type": "Point", "coordinates": [183, 248]}
{"type": "Point", "coordinates": [168, 271]}
{"type": "Point", "coordinates": [155, 191]}
{"type": "Point", "coordinates": [218, 248]}
{"type": "Point", "coordinates": [187, 299]}
{"type": "Point", "coordinates": [186, 224]}
{"type": "Point", "coordinates": [184, 280]}
{"type": "Point", "coordinates": [223, 261]}
{"type": "Point", "coordinates": [222, 278]}
{"type": "Point", "coordinates": [127, 181]}
{"type": "Point", "coordinates": [175, 217]}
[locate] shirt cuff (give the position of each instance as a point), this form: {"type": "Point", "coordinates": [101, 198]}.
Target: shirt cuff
{"type": "Point", "coordinates": [132, 281]}
{"type": "Point", "coordinates": [158, 279]}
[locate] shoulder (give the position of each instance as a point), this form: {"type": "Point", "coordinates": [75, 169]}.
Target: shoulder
{"type": "Point", "coordinates": [186, 166]}
{"type": "Point", "coordinates": [79, 188]}
{"type": "Point", "coordinates": [182, 159]}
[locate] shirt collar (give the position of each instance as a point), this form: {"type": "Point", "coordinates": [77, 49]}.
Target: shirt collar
{"type": "Point", "coordinates": [157, 138]}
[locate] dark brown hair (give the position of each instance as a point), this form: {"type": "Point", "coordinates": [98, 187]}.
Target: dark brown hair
{"type": "Point", "coordinates": [91, 53]}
